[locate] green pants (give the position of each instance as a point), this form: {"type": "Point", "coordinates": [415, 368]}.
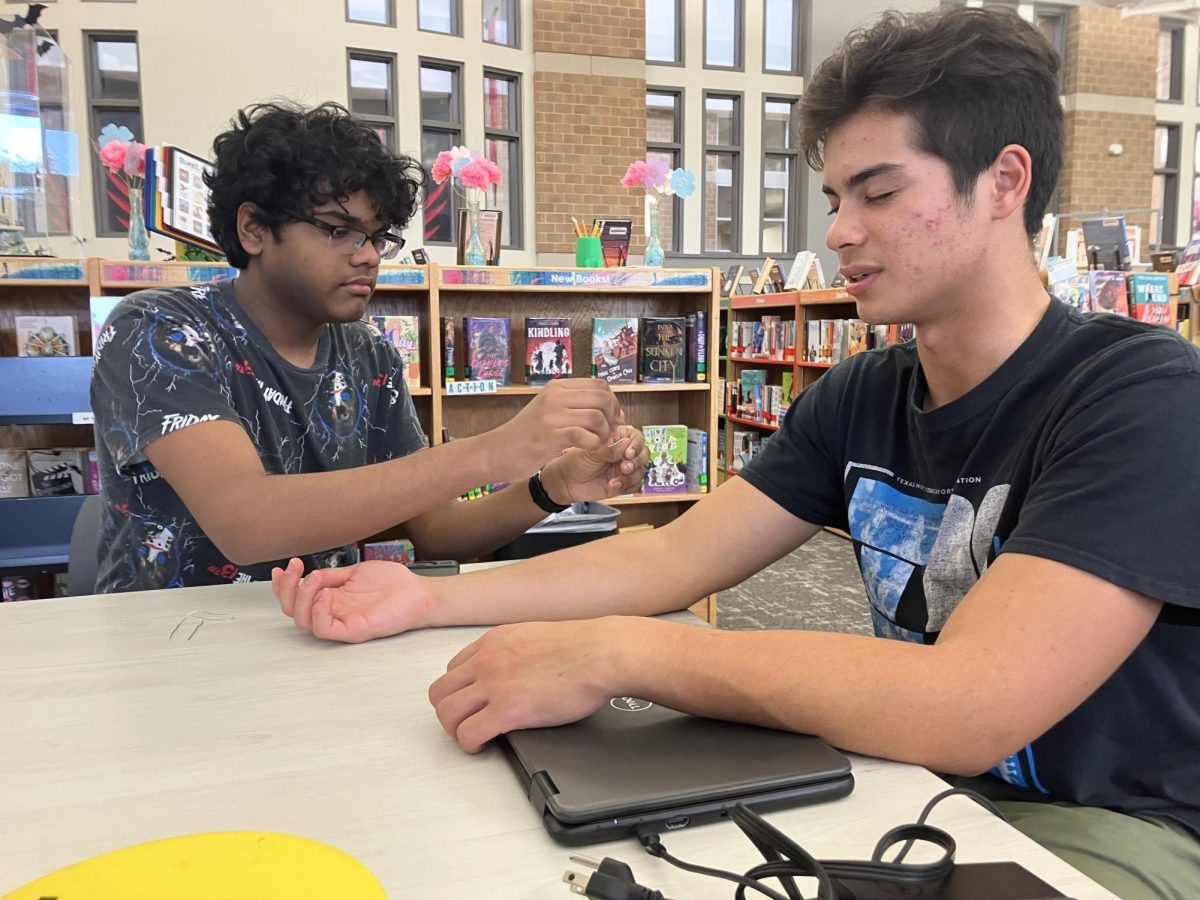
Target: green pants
{"type": "Point", "coordinates": [1134, 858]}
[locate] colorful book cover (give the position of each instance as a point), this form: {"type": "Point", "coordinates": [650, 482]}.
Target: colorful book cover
{"type": "Point", "coordinates": [447, 349]}
{"type": "Point", "coordinates": [614, 240]}
{"type": "Point", "coordinates": [14, 476]}
{"type": "Point", "coordinates": [487, 344]}
{"type": "Point", "coordinates": [615, 349]}
{"type": "Point", "coordinates": [1189, 264]}
{"type": "Point", "coordinates": [1075, 291]}
{"type": "Point", "coordinates": [856, 336]}
{"type": "Point", "coordinates": [57, 473]}
{"type": "Point", "coordinates": [393, 551]}
{"type": "Point", "coordinates": [1107, 243]}
{"type": "Point", "coordinates": [663, 357]}
{"type": "Point", "coordinates": [1108, 292]}
{"type": "Point", "coordinates": [404, 333]}
{"type": "Point", "coordinates": [1150, 298]}
{"type": "Point", "coordinates": [697, 461]}
{"type": "Point", "coordinates": [750, 404]}
{"type": "Point", "coordinates": [696, 333]}
{"type": "Point", "coordinates": [666, 470]}
{"type": "Point", "coordinates": [547, 348]}
{"type": "Point", "coordinates": [46, 336]}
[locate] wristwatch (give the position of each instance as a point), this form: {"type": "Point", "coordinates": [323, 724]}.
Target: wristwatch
{"type": "Point", "coordinates": [537, 491]}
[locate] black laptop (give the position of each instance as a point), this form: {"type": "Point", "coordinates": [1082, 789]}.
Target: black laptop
{"type": "Point", "coordinates": [636, 763]}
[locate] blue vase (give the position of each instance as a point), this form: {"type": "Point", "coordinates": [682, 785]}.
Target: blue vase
{"type": "Point", "coordinates": [139, 241]}
{"type": "Point", "coordinates": [473, 253]}
{"type": "Point", "coordinates": [654, 251]}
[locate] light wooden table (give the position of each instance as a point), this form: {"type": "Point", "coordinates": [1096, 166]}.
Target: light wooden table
{"type": "Point", "coordinates": [114, 732]}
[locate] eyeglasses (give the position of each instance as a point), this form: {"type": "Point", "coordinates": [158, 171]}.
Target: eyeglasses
{"type": "Point", "coordinates": [350, 240]}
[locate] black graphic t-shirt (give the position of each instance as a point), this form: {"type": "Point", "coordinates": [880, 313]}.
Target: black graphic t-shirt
{"type": "Point", "coordinates": [171, 358]}
{"type": "Point", "coordinates": [1080, 448]}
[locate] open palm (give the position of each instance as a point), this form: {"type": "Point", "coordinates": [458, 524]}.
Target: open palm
{"type": "Point", "coordinates": [353, 604]}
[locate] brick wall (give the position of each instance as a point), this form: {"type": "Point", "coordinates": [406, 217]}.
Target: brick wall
{"type": "Point", "coordinates": [611, 28]}
{"type": "Point", "coordinates": [1108, 55]}
{"type": "Point", "coordinates": [588, 128]}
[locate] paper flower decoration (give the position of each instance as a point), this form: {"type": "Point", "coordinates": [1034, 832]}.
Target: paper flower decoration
{"type": "Point", "coordinates": [121, 154]}
{"type": "Point", "coordinates": [470, 169]}
{"type": "Point", "coordinates": [655, 175]}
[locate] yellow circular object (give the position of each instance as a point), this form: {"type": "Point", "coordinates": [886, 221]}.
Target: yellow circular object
{"type": "Point", "coordinates": [232, 865]}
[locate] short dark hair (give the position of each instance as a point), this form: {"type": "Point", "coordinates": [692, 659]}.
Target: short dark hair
{"type": "Point", "coordinates": [286, 160]}
{"type": "Point", "coordinates": [973, 81]}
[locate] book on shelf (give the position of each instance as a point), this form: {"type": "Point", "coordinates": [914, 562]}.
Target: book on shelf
{"type": "Point", "coordinates": [1107, 243]}
{"type": "Point", "coordinates": [797, 276]}
{"type": "Point", "coordinates": [1043, 244]}
{"type": "Point", "coordinates": [400, 551]}
{"type": "Point", "coordinates": [762, 277]}
{"type": "Point", "coordinates": [615, 349]}
{"type": "Point", "coordinates": [662, 350]}
{"type": "Point", "coordinates": [487, 347]}
{"type": "Point", "coordinates": [696, 335]}
{"type": "Point", "coordinates": [1075, 291]}
{"type": "Point", "coordinates": [697, 461]}
{"type": "Point", "coordinates": [666, 469]}
{"type": "Point", "coordinates": [750, 402]}
{"type": "Point", "coordinates": [448, 331]}
{"type": "Point", "coordinates": [57, 472]}
{"type": "Point", "coordinates": [46, 336]}
{"type": "Point", "coordinates": [14, 474]}
{"type": "Point", "coordinates": [729, 285]}
{"type": "Point", "coordinates": [1189, 264]}
{"type": "Point", "coordinates": [1150, 298]}
{"type": "Point", "coordinates": [547, 348]}
{"type": "Point", "coordinates": [746, 446]}
{"type": "Point", "coordinates": [615, 235]}
{"type": "Point", "coordinates": [404, 333]}
{"type": "Point", "coordinates": [788, 387]}
{"type": "Point", "coordinates": [778, 280]}
{"type": "Point", "coordinates": [420, 257]}
{"type": "Point", "coordinates": [1108, 292]}
{"type": "Point", "coordinates": [1163, 261]}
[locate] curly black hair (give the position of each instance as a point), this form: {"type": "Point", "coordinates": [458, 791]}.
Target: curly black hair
{"type": "Point", "coordinates": [287, 159]}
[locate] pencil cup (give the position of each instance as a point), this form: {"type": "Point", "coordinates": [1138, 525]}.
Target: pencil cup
{"type": "Point", "coordinates": [588, 253]}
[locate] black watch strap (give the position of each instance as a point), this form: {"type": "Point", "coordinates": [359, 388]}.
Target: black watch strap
{"type": "Point", "coordinates": [537, 491]}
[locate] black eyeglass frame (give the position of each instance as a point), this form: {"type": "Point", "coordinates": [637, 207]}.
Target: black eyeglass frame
{"type": "Point", "coordinates": [393, 243]}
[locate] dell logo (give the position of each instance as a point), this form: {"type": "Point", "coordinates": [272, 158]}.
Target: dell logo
{"type": "Point", "coordinates": [629, 704]}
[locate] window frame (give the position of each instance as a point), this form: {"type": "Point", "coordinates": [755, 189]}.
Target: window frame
{"type": "Point", "coordinates": [97, 105]}
{"type": "Point", "coordinates": [456, 20]}
{"type": "Point", "coordinates": [1176, 29]}
{"type": "Point", "coordinates": [516, 190]}
{"type": "Point", "coordinates": [392, 118]}
{"type": "Point", "coordinates": [1171, 183]}
{"type": "Point", "coordinates": [514, 27]}
{"type": "Point", "coordinates": [391, 16]}
{"type": "Point", "coordinates": [676, 149]}
{"type": "Point", "coordinates": [454, 129]}
{"type": "Point", "coordinates": [739, 39]}
{"type": "Point", "coordinates": [680, 60]}
{"type": "Point", "coordinates": [797, 41]}
{"type": "Point", "coordinates": [792, 214]}
{"type": "Point", "coordinates": [1059, 14]}
{"type": "Point", "coordinates": [736, 151]}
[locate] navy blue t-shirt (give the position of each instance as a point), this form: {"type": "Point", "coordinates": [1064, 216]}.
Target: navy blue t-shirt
{"type": "Point", "coordinates": [170, 358]}
{"type": "Point", "coordinates": [1083, 448]}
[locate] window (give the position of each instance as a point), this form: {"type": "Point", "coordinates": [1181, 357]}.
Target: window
{"type": "Point", "coordinates": [438, 15]}
{"type": "Point", "coordinates": [1170, 60]}
{"type": "Point", "coordinates": [780, 177]}
{"type": "Point", "coordinates": [441, 129]}
{"type": "Point", "coordinates": [664, 110]}
{"type": "Point", "coordinates": [500, 25]}
{"type": "Point", "coordinates": [502, 145]}
{"type": "Point", "coordinates": [781, 36]}
{"type": "Point", "coordinates": [1052, 22]}
{"type": "Point", "coordinates": [372, 12]}
{"type": "Point", "coordinates": [722, 172]}
{"type": "Point", "coordinates": [722, 34]}
{"type": "Point", "coordinates": [59, 147]}
{"type": "Point", "coordinates": [373, 93]}
{"type": "Point", "coordinates": [1165, 190]}
{"type": "Point", "coordinates": [114, 98]}
{"type": "Point", "coordinates": [664, 31]}
{"type": "Point", "coordinates": [1195, 189]}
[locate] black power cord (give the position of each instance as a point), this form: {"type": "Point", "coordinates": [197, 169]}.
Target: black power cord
{"type": "Point", "coordinates": [785, 861]}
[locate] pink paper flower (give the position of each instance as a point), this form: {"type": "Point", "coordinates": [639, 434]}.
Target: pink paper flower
{"type": "Point", "coordinates": [635, 174]}
{"type": "Point", "coordinates": [112, 155]}
{"type": "Point", "coordinates": [135, 160]}
{"type": "Point", "coordinates": [442, 167]}
{"type": "Point", "coordinates": [477, 174]}
{"type": "Point", "coordinates": [657, 172]}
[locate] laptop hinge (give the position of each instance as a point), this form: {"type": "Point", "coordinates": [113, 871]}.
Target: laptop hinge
{"type": "Point", "coordinates": [541, 789]}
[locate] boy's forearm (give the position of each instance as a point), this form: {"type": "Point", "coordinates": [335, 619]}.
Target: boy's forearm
{"type": "Point", "coordinates": [465, 530]}
{"type": "Point", "coordinates": [279, 516]}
